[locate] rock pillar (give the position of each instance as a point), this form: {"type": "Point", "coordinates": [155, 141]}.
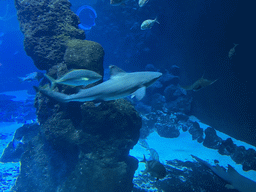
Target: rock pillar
{"type": "Point", "coordinates": [80, 146]}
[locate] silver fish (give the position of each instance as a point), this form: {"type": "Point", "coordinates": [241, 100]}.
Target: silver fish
{"type": "Point", "coordinates": [76, 77]}
{"type": "Point", "coordinates": [117, 2]}
{"type": "Point", "coordinates": [142, 2]}
{"type": "Point", "coordinates": [120, 85]}
{"type": "Point", "coordinates": [153, 154]}
{"type": "Point", "coordinates": [144, 143]}
{"type": "Point", "coordinates": [32, 77]}
{"type": "Point", "coordinates": [148, 24]}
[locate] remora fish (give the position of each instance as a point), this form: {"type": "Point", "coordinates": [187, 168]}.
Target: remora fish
{"type": "Point", "coordinates": [76, 77]}
{"type": "Point", "coordinates": [120, 84]}
{"type": "Point", "coordinates": [199, 84]}
{"type": "Point", "coordinates": [155, 168]}
{"type": "Point", "coordinates": [235, 180]}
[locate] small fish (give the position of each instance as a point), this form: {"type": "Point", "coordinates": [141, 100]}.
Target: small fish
{"type": "Point", "coordinates": [232, 51]}
{"type": "Point", "coordinates": [155, 168]}
{"type": "Point", "coordinates": [153, 154]}
{"type": "Point", "coordinates": [142, 2]}
{"type": "Point", "coordinates": [148, 24]}
{"type": "Point", "coordinates": [199, 84]}
{"type": "Point", "coordinates": [143, 143]}
{"type": "Point", "coordinates": [35, 76]}
{"type": "Point", "coordinates": [76, 77]}
{"type": "Point", "coordinates": [117, 2]}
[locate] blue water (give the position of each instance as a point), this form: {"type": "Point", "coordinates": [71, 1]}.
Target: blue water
{"type": "Point", "coordinates": [87, 17]}
{"type": "Point", "coordinates": [196, 36]}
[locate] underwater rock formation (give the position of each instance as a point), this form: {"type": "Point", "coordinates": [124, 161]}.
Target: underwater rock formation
{"type": "Point", "coordinates": [181, 177]}
{"type": "Point", "coordinates": [46, 26]}
{"type": "Point", "coordinates": [168, 131]}
{"type": "Point", "coordinates": [196, 131]}
{"type": "Point", "coordinates": [17, 146]}
{"type": "Point", "coordinates": [83, 151]}
{"type": "Point", "coordinates": [166, 94]}
{"type": "Point", "coordinates": [170, 125]}
{"type": "Point", "coordinates": [79, 147]}
{"type": "Point", "coordinates": [211, 139]}
{"type": "Point", "coordinates": [84, 54]}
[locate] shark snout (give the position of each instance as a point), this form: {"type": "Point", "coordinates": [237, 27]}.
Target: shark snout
{"type": "Point", "coordinates": [157, 75]}
{"type": "Point", "coordinates": [154, 76]}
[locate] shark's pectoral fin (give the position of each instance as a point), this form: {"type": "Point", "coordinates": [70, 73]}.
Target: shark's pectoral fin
{"type": "Point", "coordinates": [140, 93]}
{"type": "Point", "coordinates": [97, 104]}
{"type": "Point", "coordinates": [188, 88]}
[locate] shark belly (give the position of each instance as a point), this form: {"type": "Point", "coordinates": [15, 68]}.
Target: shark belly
{"type": "Point", "coordinates": [106, 91]}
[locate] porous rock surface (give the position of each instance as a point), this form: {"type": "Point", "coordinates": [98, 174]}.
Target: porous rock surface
{"type": "Point", "coordinates": [79, 147]}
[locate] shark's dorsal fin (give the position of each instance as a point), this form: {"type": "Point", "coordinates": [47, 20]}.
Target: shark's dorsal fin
{"type": "Point", "coordinates": [202, 75]}
{"type": "Point", "coordinates": [114, 70]}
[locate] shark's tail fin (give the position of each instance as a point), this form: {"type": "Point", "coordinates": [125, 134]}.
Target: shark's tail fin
{"type": "Point", "coordinates": [21, 79]}
{"type": "Point", "coordinates": [214, 81]}
{"type": "Point", "coordinates": [53, 81]}
{"type": "Point", "coordinates": [61, 97]}
{"type": "Point", "coordinates": [156, 20]}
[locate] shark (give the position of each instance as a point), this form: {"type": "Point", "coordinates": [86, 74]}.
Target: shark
{"type": "Point", "coordinates": [235, 180]}
{"type": "Point", "coordinates": [199, 84]}
{"type": "Point", "coordinates": [120, 85]}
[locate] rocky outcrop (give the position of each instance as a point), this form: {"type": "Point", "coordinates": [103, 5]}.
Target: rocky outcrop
{"type": "Point", "coordinates": [181, 176]}
{"type": "Point", "coordinates": [170, 126]}
{"type": "Point", "coordinates": [83, 151]}
{"type": "Point", "coordinates": [79, 147]}
{"type": "Point", "coordinates": [17, 146]}
{"type": "Point", "coordinates": [47, 25]}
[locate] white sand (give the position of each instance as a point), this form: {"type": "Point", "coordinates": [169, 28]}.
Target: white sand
{"type": "Point", "coordinates": [168, 149]}
{"type": "Point", "coordinates": [182, 147]}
